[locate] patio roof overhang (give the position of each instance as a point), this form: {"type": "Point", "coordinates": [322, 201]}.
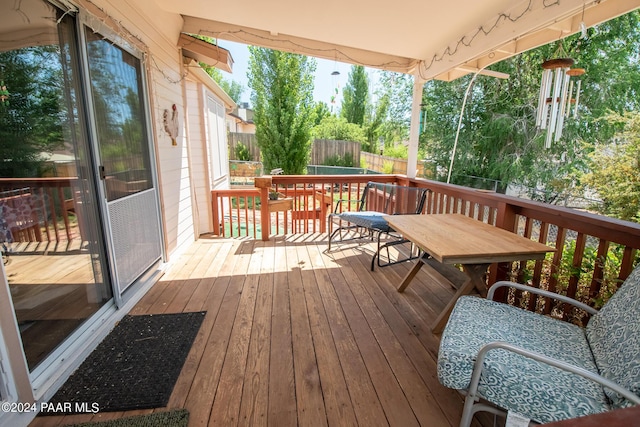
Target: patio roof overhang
{"type": "Point", "coordinates": [426, 38]}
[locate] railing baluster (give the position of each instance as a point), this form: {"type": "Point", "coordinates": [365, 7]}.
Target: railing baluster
{"type": "Point", "coordinates": [598, 270]}
{"type": "Point", "coordinates": [255, 228]}
{"type": "Point", "coordinates": [555, 265]}
{"type": "Point", "coordinates": [537, 270]}
{"type": "Point", "coordinates": [627, 263]}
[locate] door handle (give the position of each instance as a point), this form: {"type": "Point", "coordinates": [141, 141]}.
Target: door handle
{"type": "Point", "coordinates": [101, 171]}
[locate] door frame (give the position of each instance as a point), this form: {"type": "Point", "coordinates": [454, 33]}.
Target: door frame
{"type": "Point", "coordinates": [85, 20]}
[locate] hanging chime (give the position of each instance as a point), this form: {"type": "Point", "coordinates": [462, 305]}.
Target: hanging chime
{"type": "Point", "coordinates": [558, 95]}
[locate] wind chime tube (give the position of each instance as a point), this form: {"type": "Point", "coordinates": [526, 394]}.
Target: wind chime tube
{"type": "Point", "coordinates": [568, 106]}
{"type": "Point", "coordinates": [546, 95]}
{"type": "Point", "coordinates": [555, 101]}
{"type": "Point", "coordinates": [563, 105]}
{"type": "Point", "coordinates": [575, 108]}
{"type": "Point", "coordinates": [542, 99]}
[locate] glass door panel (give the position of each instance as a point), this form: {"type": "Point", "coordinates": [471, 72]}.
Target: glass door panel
{"type": "Point", "coordinates": [50, 231]}
{"type": "Point", "coordinates": [123, 147]}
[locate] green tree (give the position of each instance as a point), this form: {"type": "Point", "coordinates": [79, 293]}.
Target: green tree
{"type": "Point", "coordinates": [397, 90]}
{"type": "Point", "coordinates": [32, 121]}
{"type": "Point", "coordinates": [374, 123]}
{"type": "Point", "coordinates": [355, 96]}
{"type": "Point", "coordinates": [231, 87]}
{"type": "Point", "coordinates": [498, 137]}
{"type": "Point", "coordinates": [282, 96]}
{"type": "Point", "coordinates": [321, 111]}
{"type": "Point", "coordinates": [615, 170]}
{"type": "Point", "coordinates": [332, 127]}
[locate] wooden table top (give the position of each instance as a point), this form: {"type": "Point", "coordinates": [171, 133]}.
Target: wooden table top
{"type": "Point", "coordinates": [458, 239]}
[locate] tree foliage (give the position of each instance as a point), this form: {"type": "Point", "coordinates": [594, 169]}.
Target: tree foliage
{"type": "Point", "coordinates": [282, 96]}
{"type": "Point", "coordinates": [337, 128]}
{"type": "Point", "coordinates": [355, 96]}
{"type": "Point", "coordinates": [231, 87]}
{"type": "Point", "coordinates": [498, 138]}
{"type": "Point", "coordinates": [32, 121]}
{"type": "Point", "coordinates": [615, 170]}
{"type": "Point", "coordinates": [321, 111]}
{"type": "Point", "coordinates": [374, 125]}
{"type": "Point", "coordinates": [395, 93]}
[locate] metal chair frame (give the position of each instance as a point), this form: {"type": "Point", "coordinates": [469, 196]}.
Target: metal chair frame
{"type": "Point", "coordinates": [396, 201]}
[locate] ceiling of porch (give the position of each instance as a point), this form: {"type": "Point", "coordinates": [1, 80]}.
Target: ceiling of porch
{"type": "Point", "coordinates": [433, 39]}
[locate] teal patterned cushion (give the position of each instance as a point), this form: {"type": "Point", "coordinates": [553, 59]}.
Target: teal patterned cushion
{"type": "Point", "coordinates": [614, 337]}
{"type": "Point", "coordinates": [536, 390]}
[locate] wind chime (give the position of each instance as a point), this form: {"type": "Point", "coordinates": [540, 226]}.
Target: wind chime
{"type": "Point", "coordinates": [558, 96]}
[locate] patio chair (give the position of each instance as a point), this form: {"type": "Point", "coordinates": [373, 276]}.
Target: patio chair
{"type": "Point", "coordinates": [540, 367]}
{"type": "Point", "coordinates": [377, 200]}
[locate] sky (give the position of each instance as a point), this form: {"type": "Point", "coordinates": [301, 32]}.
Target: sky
{"type": "Point", "coordinates": [324, 83]}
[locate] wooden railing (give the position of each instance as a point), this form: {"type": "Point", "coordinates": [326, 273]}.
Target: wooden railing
{"type": "Point", "coordinates": [303, 206]}
{"type": "Point", "coordinates": [38, 209]}
{"type": "Point", "coordinates": [594, 253]}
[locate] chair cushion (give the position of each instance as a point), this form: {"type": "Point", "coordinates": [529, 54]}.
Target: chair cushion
{"type": "Point", "coordinates": [536, 390]}
{"type": "Point", "coordinates": [614, 337]}
{"type": "Point", "coordinates": [367, 219]}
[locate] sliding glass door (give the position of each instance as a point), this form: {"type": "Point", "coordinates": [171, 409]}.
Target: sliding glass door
{"type": "Point", "coordinates": [50, 228]}
{"type": "Point", "coordinates": [79, 211]}
{"type": "Point", "coordinates": [123, 158]}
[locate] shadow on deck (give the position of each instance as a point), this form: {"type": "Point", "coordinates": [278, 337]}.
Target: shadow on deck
{"type": "Point", "coordinates": [296, 336]}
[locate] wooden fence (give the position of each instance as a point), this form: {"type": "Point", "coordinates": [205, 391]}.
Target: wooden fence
{"type": "Point", "coordinates": [325, 149]}
{"type": "Point", "coordinates": [321, 150]}
{"type": "Point", "coordinates": [248, 140]}
{"type": "Point", "coordinates": [385, 164]}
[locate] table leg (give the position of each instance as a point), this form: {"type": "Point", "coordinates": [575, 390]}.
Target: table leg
{"type": "Point", "coordinates": [476, 274]}
{"type": "Point", "coordinates": [412, 273]}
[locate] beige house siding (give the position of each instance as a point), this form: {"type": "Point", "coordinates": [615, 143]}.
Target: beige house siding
{"type": "Point", "coordinates": [204, 144]}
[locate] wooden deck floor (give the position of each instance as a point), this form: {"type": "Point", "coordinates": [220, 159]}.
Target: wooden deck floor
{"type": "Point", "coordinates": [295, 336]}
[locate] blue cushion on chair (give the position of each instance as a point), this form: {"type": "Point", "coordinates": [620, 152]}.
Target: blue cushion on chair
{"type": "Point", "coordinates": [614, 337]}
{"type": "Point", "coordinates": [539, 391]}
{"type": "Point", "coordinates": [367, 219]}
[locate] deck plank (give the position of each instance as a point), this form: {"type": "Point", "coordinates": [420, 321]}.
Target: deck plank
{"type": "Point", "coordinates": [282, 393]}
{"type": "Point", "coordinates": [297, 336]}
{"type": "Point", "coordinates": [338, 405]}
{"type": "Point", "coordinates": [416, 391]}
{"type": "Point", "coordinates": [309, 394]}
{"type": "Point", "coordinates": [254, 401]}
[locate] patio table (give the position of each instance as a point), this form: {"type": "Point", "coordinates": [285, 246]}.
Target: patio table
{"type": "Point", "coordinates": [458, 239]}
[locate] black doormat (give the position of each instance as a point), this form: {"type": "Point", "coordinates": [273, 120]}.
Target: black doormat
{"type": "Point", "coordinates": [176, 418]}
{"type": "Point", "coordinates": [135, 367]}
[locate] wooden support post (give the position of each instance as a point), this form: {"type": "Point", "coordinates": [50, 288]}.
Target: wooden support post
{"type": "Point", "coordinates": [264, 184]}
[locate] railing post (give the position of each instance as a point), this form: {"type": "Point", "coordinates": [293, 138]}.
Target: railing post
{"type": "Point", "coordinates": [264, 184]}
{"type": "Point", "coordinates": [506, 218]}
{"type": "Point", "coordinates": [214, 213]}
